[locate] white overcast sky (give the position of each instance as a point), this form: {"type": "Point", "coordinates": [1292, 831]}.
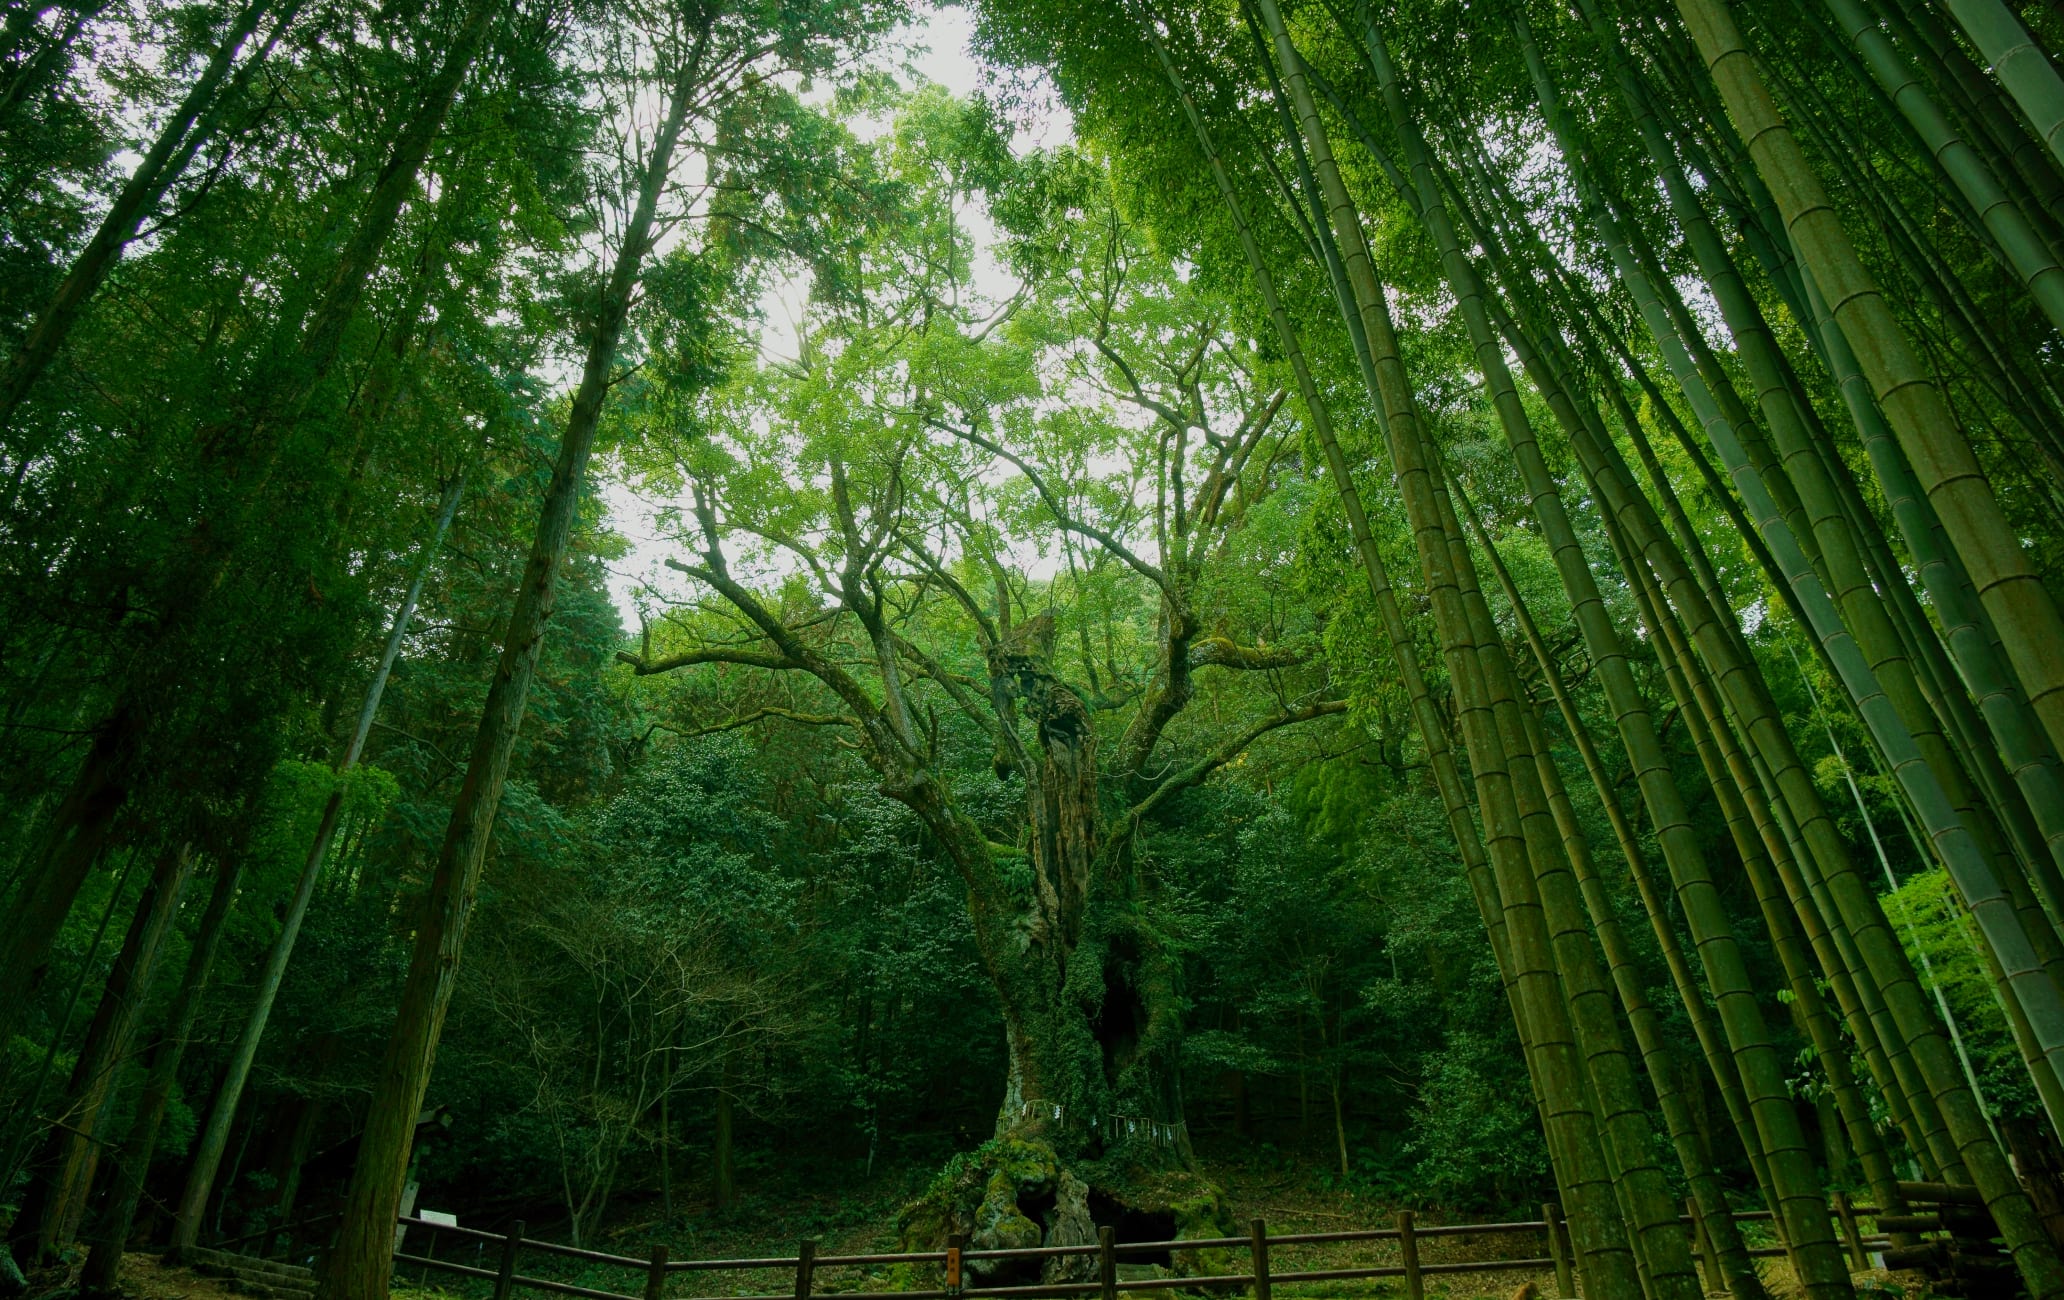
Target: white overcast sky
{"type": "Point", "coordinates": [936, 48]}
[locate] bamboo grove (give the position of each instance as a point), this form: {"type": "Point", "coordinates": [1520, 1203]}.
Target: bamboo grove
{"type": "Point", "coordinates": [1655, 367]}
{"type": "Point", "coordinates": [1851, 198]}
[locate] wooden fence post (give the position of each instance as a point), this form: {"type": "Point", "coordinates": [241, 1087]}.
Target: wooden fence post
{"type": "Point", "coordinates": [1107, 1261]}
{"type": "Point", "coordinates": [805, 1265]}
{"type": "Point", "coordinates": [1847, 1214]}
{"type": "Point", "coordinates": [1257, 1245]}
{"type": "Point", "coordinates": [1558, 1246]}
{"type": "Point", "coordinates": [1702, 1248]}
{"type": "Point", "coordinates": [955, 1243]}
{"type": "Point", "coordinates": [655, 1273]}
{"type": "Point", "coordinates": [505, 1275]}
{"type": "Point", "coordinates": [1408, 1250]}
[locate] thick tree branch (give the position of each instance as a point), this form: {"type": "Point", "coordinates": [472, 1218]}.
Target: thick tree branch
{"type": "Point", "coordinates": [892, 750]}
{"type": "Point", "coordinates": [954, 685]}
{"type": "Point", "coordinates": [1194, 774]}
{"type": "Point", "coordinates": [1233, 460]}
{"type": "Point", "coordinates": [758, 715]}
{"type": "Point", "coordinates": [1108, 541]}
{"type": "Point", "coordinates": [644, 667]}
{"type": "Point", "coordinates": [1222, 652]}
{"type": "Point", "coordinates": [1136, 393]}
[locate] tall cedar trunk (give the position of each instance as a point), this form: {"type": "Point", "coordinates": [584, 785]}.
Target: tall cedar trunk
{"type": "Point", "coordinates": [255, 443]}
{"type": "Point", "coordinates": [52, 1207]}
{"type": "Point", "coordinates": [214, 1139]}
{"type": "Point", "coordinates": [21, 1131]}
{"type": "Point", "coordinates": [124, 1180]}
{"type": "Point", "coordinates": [1086, 948]}
{"type": "Point", "coordinates": [360, 1263]}
{"type": "Point", "coordinates": [724, 1175]}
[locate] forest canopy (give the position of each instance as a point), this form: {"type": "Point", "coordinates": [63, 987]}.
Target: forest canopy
{"type": "Point", "coordinates": [614, 613]}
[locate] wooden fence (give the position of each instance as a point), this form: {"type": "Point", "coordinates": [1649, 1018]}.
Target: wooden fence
{"type": "Point", "coordinates": [803, 1267]}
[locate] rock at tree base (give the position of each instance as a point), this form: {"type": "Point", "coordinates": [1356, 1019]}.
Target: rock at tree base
{"type": "Point", "coordinates": [1012, 1193]}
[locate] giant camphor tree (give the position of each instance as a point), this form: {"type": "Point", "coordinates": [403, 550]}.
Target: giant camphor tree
{"type": "Point", "coordinates": [1017, 521]}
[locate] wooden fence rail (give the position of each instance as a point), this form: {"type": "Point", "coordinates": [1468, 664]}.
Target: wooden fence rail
{"type": "Point", "coordinates": [1261, 1276]}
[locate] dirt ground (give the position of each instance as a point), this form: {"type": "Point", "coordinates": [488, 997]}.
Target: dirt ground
{"type": "Point", "coordinates": [143, 1278]}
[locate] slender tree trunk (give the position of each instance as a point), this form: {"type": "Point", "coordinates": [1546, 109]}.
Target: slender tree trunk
{"type": "Point", "coordinates": [1340, 1125]}
{"type": "Point", "coordinates": [1865, 611]}
{"type": "Point", "coordinates": [22, 1116]}
{"type": "Point", "coordinates": [1718, 637]}
{"type": "Point", "coordinates": [666, 1148]}
{"type": "Point", "coordinates": [361, 1262]}
{"type": "Point", "coordinates": [81, 825]}
{"type": "Point", "coordinates": [306, 1125]}
{"type": "Point", "coordinates": [33, 71]}
{"type": "Point", "coordinates": [110, 1235]}
{"type": "Point", "coordinates": [1973, 644]}
{"type": "Point", "coordinates": [1841, 563]}
{"type": "Point", "coordinates": [1888, 968]}
{"type": "Point", "coordinates": [2020, 603]}
{"type": "Point", "coordinates": [724, 1172]}
{"type": "Point", "coordinates": [1603, 644]}
{"type": "Point", "coordinates": [200, 1179]}
{"type": "Point", "coordinates": [2010, 149]}
{"type": "Point", "coordinates": [1431, 723]}
{"type": "Point", "coordinates": [21, 20]}
{"type": "Point", "coordinates": [2023, 249]}
{"type": "Point", "coordinates": [50, 1212]}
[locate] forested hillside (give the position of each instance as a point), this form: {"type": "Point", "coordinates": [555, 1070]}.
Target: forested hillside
{"type": "Point", "coordinates": [657, 619]}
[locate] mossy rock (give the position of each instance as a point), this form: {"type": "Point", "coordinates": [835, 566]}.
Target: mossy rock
{"type": "Point", "coordinates": [1203, 1216]}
